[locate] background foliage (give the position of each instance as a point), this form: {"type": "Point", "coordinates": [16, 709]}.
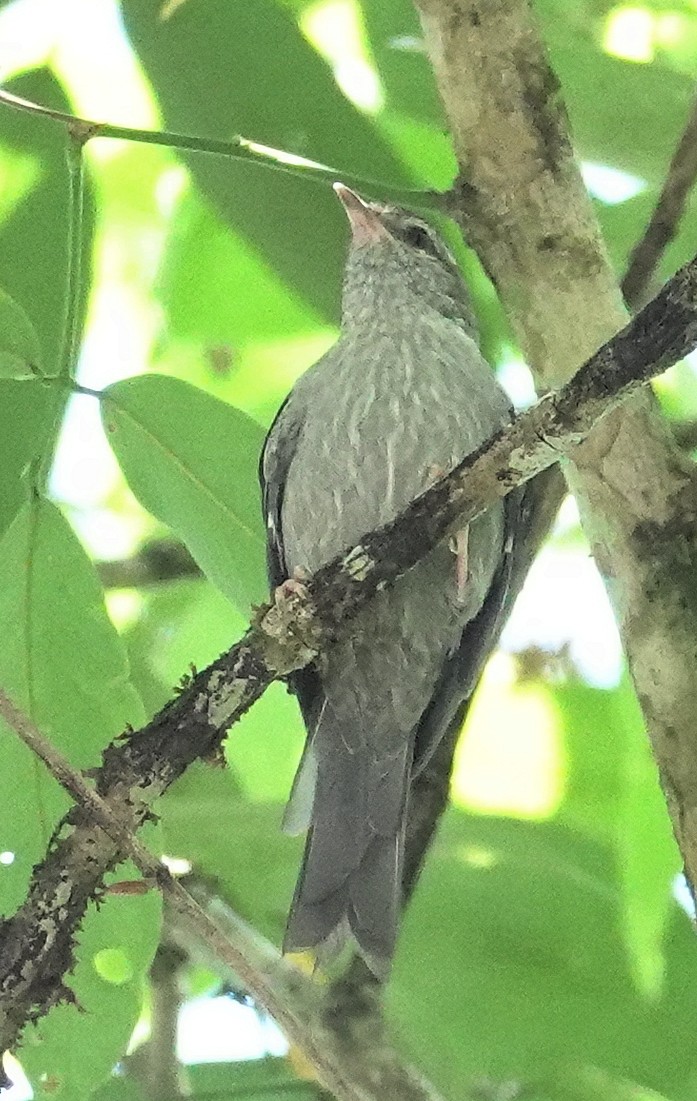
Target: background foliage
{"type": "Point", "coordinates": [545, 951]}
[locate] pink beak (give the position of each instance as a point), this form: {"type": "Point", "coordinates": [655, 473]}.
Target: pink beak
{"type": "Point", "coordinates": [366, 226]}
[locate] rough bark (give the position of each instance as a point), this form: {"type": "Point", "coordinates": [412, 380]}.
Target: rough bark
{"type": "Point", "coordinates": [522, 204]}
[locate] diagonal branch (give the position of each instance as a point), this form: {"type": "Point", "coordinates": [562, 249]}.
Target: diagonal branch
{"type": "Point", "coordinates": [36, 944]}
{"type": "Point", "coordinates": [666, 216]}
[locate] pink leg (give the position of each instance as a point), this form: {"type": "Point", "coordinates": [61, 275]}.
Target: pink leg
{"type": "Point", "coordinates": [460, 546]}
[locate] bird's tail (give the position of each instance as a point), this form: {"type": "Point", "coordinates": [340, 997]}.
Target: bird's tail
{"type": "Point", "coordinates": [350, 883]}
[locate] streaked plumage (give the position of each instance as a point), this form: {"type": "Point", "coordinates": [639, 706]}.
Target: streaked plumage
{"type": "Point", "coordinates": [404, 393]}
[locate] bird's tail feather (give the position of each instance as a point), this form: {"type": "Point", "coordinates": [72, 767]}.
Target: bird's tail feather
{"type": "Point", "coordinates": [350, 881]}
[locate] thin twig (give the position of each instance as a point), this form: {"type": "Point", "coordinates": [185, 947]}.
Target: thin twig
{"type": "Point", "coordinates": [292, 999]}
{"type": "Point", "coordinates": [663, 224]}
{"type": "Point", "coordinates": [236, 147]}
{"type": "Point", "coordinates": [34, 953]}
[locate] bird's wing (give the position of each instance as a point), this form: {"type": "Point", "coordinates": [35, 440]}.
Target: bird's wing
{"type": "Point", "coordinates": [463, 668]}
{"type": "Point", "coordinates": [274, 464]}
{"type": "Point", "coordinates": [276, 456]}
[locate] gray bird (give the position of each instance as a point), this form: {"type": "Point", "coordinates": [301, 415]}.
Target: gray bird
{"type": "Point", "coordinates": [402, 397]}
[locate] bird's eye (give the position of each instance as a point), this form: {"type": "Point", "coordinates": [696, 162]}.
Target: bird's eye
{"type": "Point", "coordinates": [417, 236]}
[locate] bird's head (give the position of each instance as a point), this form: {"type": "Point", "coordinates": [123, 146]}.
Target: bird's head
{"type": "Point", "coordinates": [398, 262]}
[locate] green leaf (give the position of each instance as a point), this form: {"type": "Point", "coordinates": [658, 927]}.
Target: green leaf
{"type": "Point", "coordinates": [75, 1048]}
{"type": "Point", "coordinates": [192, 622]}
{"type": "Point", "coordinates": [245, 300]}
{"type": "Point", "coordinates": [119, 1089]}
{"type": "Point", "coordinates": [221, 69]}
{"type": "Point", "coordinates": [614, 796]}
{"type": "Point", "coordinates": [63, 663]}
{"type": "Point", "coordinates": [428, 151]}
{"type": "Point", "coordinates": [19, 345]}
{"type": "Point", "coordinates": [646, 850]}
{"type": "Point", "coordinates": [396, 40]}
{"type": "Point", "coordinates": [205, 818]}
{"type": "Point", "coordinates": [622, 114]}
{"type": "Point", "coordinates": [192, 461]}
{"type": "Point", "coordinates": [269, 1079]}
{"type": "Point", "coordinates": [594, 763]}
{"type": "Point", "coordinates": [264, 748]}
{"type": "Point", "coordinates": [624, 224]}
{"type": "Point", "coordinates": [511, 964]}
{"type": "Point", "coordinates": [588, 1083]}
{"type": "Point", "coordinates": [182, 623]}
{"type": "Point", "coordinates": [33, 257]}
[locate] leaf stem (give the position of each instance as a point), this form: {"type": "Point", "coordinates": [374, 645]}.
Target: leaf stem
{"type": "Point", "coordinates": [71, 330]}
{"type": "Point", "coordinates": [67, 355]}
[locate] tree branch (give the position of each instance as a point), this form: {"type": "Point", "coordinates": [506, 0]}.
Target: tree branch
{"type": "Point", "coordinates": [665, 219]}
{"type": "Point", "coordinates": [295, 1002]}
{"type": "Point", "coordinates": [519, 195]}
{"type": "Point", "coordinates": [522, 202]}
{"type": "Point", "coordinates": [36, 944]}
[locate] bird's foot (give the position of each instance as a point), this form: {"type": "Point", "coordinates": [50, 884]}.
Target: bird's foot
{"type": "Point", "coordinates": [292, 586]}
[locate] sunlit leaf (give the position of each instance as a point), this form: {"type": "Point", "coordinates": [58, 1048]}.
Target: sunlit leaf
{"type": "Point", "coordinates": [192, 461]}
{"type": "Point", "coordinates": [33, 259]}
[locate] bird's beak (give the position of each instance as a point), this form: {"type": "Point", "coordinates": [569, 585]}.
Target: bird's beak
{"type": "Point", "coordinates": [366, 224]}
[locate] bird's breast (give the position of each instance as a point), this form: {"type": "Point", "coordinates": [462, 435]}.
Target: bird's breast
{"type": "Point", "coordinates": [385, 414]}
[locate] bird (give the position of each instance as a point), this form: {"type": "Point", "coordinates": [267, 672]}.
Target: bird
{"type": "Point", "coordinates": [401, 397]}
